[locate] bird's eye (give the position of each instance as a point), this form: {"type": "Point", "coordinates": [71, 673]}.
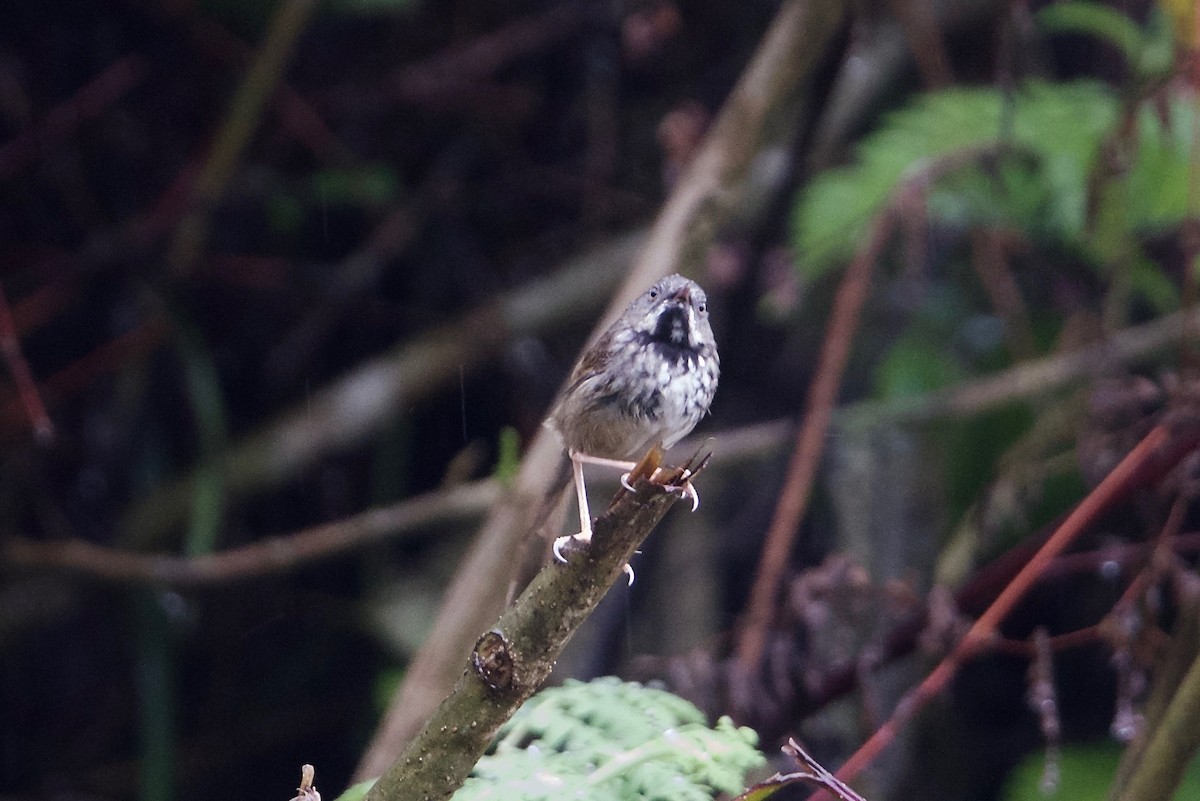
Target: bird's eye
{"type": "Point", "coordinates": [703, 308]}
{"type": "Point", "coordinates": [653, 294]}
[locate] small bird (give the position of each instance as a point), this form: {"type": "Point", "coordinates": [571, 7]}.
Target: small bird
{"type": "Point", "coordinates": [648, 380]}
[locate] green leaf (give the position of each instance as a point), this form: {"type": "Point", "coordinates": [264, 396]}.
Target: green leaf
{"type": "Point", "coordinates": [1087, 772]}
{"type": "Point", "coordinates": [1160, 177]}
{"type": "Point", "coordinates": [1152, 284]}
{"type": "Point", "coordinates": [508, 457]}
{"type": "Point", "coordinates": [1097, 20]}
{"type": "Point", "coordinates": [914, 366]}
{"type": "Point", "coordinates": [1055, 133]}
{"type": "Point", "coordinates": [367, 186]}
{"type": "Point", "coordinates": [1149, 51]}
{"type": "Point", "coordinates": [356, 792]}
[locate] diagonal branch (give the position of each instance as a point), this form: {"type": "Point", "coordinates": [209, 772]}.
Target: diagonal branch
{"type": "Point", "coordinates": [10, 350]}
{"type": "Point", "coordinates": [512, 660]}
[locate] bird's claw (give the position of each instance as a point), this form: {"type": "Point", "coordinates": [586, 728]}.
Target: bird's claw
{"type": "Point", "coordinates": [686, 490]}
{"type": "Point", "coordinates": [583, 538]}
{"type": "Point", "coordinates": [559, 542]}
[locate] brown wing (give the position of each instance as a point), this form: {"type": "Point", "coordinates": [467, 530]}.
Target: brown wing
{"type": "Point", "coordinates": [594, 360]}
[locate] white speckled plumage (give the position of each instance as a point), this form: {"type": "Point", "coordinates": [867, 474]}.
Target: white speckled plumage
{"type": "Point", "coordinates": [648, 380]}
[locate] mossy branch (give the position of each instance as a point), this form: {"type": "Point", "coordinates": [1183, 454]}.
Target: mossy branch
{"type": "Point", "coordinates": [512, 660]}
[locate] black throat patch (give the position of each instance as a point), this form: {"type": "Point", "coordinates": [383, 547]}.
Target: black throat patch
{"type": "Point", "coordinates": [670, 338]}
{"type": "Point", "coordinates": [672, 327]}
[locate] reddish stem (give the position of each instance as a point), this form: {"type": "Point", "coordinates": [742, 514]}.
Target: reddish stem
{"type": "Point", "coordinates": [105, 359]}
{"type": "Point", "coordinates": [810, 443]}
{"type": "Point", "coordinates": [89, 102]}
{"type": "Point", "coordinates": [1160, 450]}
{"type": "Point", "coordinates": [10, 346]}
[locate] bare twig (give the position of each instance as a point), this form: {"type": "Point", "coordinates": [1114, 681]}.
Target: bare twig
{"type": "Point", "coordinates": [924, 41]}
{"type": "Point", "coordinates": [812, 772]}
{"type": "Point", "coordinates": [989, 257]}
{"type": "Point", "coordinates": [284, 553]}
{"type": "Point", "coordinates": [456, 69]}
{"type": "Point", "coordinates": [1171, 668]}
{"type": "Point", "coordinates": [879, 61]}
{"type": "Point", "coordinates": [1042, 697]}
{"type": "Point", "coordinates": [297, 117]}
{"type": "Point", "coordinates": [823, 777]}
{"type": "Point", "coordinates": [1172, 746]}
{"type": "Point", "coordinates": [245, 114]}
{"type": "Point", "coordinates": [10, 348]}
{"type": "Point", "coordinates": [89, 102]}
{"type": "Point", "coordinates": [1028, 380]}
{"type": "Point", "coordinates": [296, 114]}
{"type": "Point", "coordinates": [274, 555]}
{"type": "Point", "coordinates": [105, 359]}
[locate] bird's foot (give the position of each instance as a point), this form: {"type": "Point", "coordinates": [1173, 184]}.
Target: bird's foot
{"type": "Point", "coordinates": [583, 537]}
{"type": "Point", "coordinates": [685, 489]}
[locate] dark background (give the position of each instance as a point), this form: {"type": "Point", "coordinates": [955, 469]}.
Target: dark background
{"type": "Point", "coordinates": [422, 160]}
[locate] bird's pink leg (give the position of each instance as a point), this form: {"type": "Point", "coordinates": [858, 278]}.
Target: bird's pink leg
{"type": "Point", "coordinates": [617, 464]}
{"type": "Point", "coordinates": [585, 515]}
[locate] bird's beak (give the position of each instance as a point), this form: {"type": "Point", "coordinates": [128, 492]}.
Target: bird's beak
{"type": "Point", "coordinates": [684, 293]}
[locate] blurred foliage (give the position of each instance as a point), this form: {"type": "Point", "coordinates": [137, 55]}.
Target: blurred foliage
{"type": "Point", "coordinates": [1047, 138]}
{"type": "Point", "coordinates": [1149, 51]}
{"type": "Point", "coordinates": [1054, 132]}
{"type": "Point", "coordinates": [508, 454]}
{"type": "Point", "coordinates": [369, 186]}
{"type": "Point", "coordinates": [1085, 773]}
{"type": "Point", "coordinates": [368, 7]}
{"type": "Point", "coordinates": [208, 409]}
{"type": "Point", "coordinates": [1077, 172]}
{"type": "Point", "coordinates": [494, 169]}
{"type": "Point", "coordinates": [608, 740]}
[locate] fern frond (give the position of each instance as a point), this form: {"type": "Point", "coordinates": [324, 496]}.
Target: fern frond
{"type": "Point", "coordinates": [611, 740]}
{"type": "Point", "coordinates": [1058, 126]}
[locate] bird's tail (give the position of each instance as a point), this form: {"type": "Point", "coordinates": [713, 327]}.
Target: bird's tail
{"type": "Point", "coordinates": [546, 524]}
